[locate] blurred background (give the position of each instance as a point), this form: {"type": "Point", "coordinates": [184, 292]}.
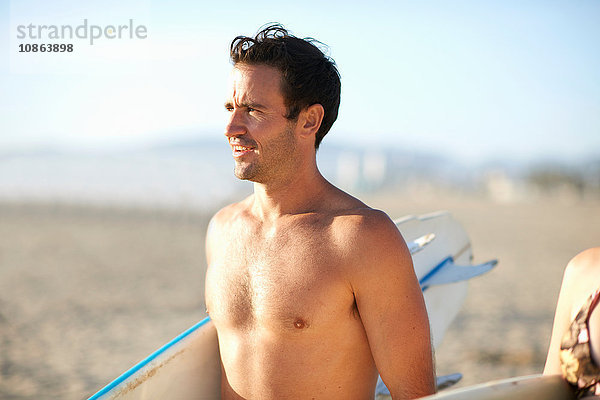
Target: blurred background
{"type": "Point", "coordinates": [112, 161]}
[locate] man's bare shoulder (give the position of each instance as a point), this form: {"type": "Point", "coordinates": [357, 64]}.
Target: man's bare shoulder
{"type": "Point", "coordinates": [230, 213]}
{"type": "Point", "coordinates": [364, 223]}
{"type": "Point", "coordinates": [223, 222]}
{"type": "Point", "coordinates": [352, 217]}
{"type": "Point", "coordinates": [370, 238]}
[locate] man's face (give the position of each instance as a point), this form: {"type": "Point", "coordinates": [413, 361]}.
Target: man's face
{"type": "Point", "coordinates": [261, 138]}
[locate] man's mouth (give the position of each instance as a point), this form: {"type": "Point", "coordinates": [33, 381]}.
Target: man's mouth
{"type": "Point", "coordinates": [239, 150]}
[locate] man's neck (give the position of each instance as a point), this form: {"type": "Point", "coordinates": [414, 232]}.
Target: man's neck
{"type": "Point", "coordinates": [298, 194]}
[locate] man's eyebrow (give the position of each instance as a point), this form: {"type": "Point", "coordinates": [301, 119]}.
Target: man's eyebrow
{"type": "Point", "coordinates": [245, 104]}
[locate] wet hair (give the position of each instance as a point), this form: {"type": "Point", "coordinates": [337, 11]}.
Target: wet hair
{"type": "Point", "coordinates": [308, 75]}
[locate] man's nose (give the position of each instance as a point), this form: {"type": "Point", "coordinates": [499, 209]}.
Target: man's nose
{"type": "Point", "coordinates": [235, 126]}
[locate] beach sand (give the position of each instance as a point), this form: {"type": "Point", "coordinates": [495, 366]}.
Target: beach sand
{"type": "Point", "coordinates": [86, 292]}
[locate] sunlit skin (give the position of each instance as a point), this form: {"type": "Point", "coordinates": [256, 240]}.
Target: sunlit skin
{"type": "Point", "coordinates": [581, 279]}
{"type": "Point", "coordinates": [311, 291]}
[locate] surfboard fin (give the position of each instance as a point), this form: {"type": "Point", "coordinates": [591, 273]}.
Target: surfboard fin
{"type": "Point", "coordinates": [448, 272]}
{"type": "Point", "coordinates": [419, 243]}
{"type": "Point", "coordinates": [445, 381]}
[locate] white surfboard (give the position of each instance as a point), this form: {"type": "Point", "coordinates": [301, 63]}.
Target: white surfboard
{"type": "Point", "coordinates": [534, 387]}
{"type": "Point", "coordinates": [188, 367]}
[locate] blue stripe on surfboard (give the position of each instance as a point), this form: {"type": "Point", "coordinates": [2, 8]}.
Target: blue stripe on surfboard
{"type": "Point", "coordinates": [147, 360]}
{"type": "Point", "coordinates": [434, 271]}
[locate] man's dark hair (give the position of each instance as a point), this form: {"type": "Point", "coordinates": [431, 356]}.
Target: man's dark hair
{"type": "Point", "coordinates": [308, 75]}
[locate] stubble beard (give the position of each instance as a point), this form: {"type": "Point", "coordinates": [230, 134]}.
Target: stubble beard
{"type": "Point", "coordinates": [276, 156]}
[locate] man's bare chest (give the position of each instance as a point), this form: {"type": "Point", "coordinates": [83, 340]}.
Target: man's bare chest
{"type": "Point", "coordinates": [290, 282]}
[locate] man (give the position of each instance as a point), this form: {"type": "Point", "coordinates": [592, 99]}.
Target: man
{"type": "Point", "coordinates": [312, 292]}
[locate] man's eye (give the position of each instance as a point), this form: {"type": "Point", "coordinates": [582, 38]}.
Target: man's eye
{"type": "Point", "coordinates": [228, 108]}
{"type": "Point", "coordinates": [250, 109]}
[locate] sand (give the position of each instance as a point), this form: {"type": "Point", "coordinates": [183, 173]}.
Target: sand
{"type": "Point", "coordinates": [86, 292]}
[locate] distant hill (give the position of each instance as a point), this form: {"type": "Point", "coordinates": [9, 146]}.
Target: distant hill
{"type": "Point", "coordinates": [197, 173]}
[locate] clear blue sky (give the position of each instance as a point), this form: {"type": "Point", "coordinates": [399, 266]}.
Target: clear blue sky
{"type": "Point", "coordinates": [475, 79]}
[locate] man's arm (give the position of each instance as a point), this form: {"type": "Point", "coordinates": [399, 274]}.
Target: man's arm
{"type": "Point", "coordinates": [392, 309]}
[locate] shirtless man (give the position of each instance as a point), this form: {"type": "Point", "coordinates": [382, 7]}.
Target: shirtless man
{"type": "Point", "coordinates": [311, 291]}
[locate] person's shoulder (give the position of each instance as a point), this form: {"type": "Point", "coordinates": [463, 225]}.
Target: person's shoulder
{"type": "Point", "coordinates": [371, 248]}
{"type": "Point", "coordinates": [584, 263]}
{"type": "Point", "coordinates": [222, 224]}
{"type": "Point", "coordinates": [364, 220]}
{"type": "Point", "coordinates": [369, 231]}
{"type": "Point", "coordinates": [228, 214]}
{"type": "Point", "coordinates": [581, 277]}
{"type": "Point", "coordinates": [353, 216]}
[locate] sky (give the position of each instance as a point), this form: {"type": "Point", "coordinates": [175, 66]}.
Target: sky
{"type": "Point", "coordinates": [475, 80]}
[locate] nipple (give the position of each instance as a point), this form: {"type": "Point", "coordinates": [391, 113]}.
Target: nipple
{"type": "Point", "coordinates": [299, 323]}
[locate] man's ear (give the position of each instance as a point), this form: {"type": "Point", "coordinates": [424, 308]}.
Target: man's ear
{"type": "Point", "coordinates": [310, 120]}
